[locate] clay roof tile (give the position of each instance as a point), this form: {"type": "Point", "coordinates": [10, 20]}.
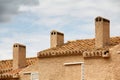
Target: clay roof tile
{"type": "Point", "coordinates": [6, 70]}
{"type": "Point", "coordinates": [71, 47]}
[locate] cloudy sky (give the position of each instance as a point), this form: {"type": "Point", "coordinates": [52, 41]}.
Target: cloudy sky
{"type": "Point", "coordinates": [30, 21]}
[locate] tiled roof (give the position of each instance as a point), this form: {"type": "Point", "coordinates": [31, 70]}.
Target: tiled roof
{"type": "Point", "coordinates": [76, 47]}
{"type": "Point", "coordinates": [6, 70]}
{"type": "Point", "coordinates": [10, 75]}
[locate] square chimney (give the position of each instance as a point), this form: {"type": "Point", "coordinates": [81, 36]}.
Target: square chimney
{"type": "Point", "coordinates": [102, 32]}
{"type": "Point", "coordinates": [19, 56]}
{"type": "Point", "coordinates": [56, 38]}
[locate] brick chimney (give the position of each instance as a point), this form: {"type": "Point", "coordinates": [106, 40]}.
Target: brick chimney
{"type": "Point", "coordinates": [102, 32]}
{"type": "Point", "coordinates": [56, 38]}
{"type": "Point", "coordinates": [19, 56]}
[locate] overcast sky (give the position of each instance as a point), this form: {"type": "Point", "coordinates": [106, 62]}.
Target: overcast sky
{"type": "Point", "coordinates": [30, 21]}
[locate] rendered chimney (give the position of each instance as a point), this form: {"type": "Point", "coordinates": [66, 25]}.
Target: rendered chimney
{"type": "Point", "coordinates": [102, 32]}
{"type": "Point", "coordinates": [56, 38]}
{"type": "Point", "coordinates": [19, 56]}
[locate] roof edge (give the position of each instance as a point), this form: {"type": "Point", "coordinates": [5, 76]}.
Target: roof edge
{"type": "Point", "coordinates": [62, 53]}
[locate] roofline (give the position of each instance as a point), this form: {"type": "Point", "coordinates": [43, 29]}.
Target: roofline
{"type": "Point", "coordinates": [62, 53]}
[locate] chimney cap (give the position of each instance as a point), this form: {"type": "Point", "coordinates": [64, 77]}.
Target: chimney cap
{"type": "Point", "coordinates": [99, 18]}
{"type": "Point", "coordinates": [19, 44]}
{"type": "Point", "coordinates": [56, 32]}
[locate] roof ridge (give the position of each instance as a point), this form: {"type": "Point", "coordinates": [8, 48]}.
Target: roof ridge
{"type": "Point", "coordinates": [82, 44]}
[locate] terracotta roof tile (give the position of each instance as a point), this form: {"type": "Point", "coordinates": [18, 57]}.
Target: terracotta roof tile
{"type": "Point", "coordinates": [6, 70]}
{"type": "Point", "coordinates": [71, 46]}
{"type": "Point", "coordinates": [5, 64]}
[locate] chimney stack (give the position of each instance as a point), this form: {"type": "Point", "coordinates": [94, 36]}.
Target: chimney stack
{"type": "Point", "coordinates": [19, 56]}
{"type": "Point", "coordinates": [102, 32]}
{"type": "Point", "coordinates": [56, 38]}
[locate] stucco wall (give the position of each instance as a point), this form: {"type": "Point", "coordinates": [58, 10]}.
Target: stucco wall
{"type": "Point", "coordinates": [103, 68]}
{"type": "Point", "coordinates": [25, 74]}
{"type": "Point", "coordinates": [115, 56]}
{"type": "Point", "coordinates": [54, 69]}
{"type": "Point", "coordinates": [98, 69]}
{"type": "Point", "coordinates": [95, 68]}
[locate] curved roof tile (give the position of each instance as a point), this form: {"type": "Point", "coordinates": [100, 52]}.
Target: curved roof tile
{"type": "Point", "coordinates": [80, 46]}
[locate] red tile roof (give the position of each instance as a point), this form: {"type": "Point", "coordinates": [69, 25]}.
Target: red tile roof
{"type": "Point", "coordinates": [76, 47]}
{"type": "Point", "coordinates": [6, 70]}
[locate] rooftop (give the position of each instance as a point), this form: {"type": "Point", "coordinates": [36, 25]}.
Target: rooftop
{"type": "Point", "coordinates": [76, 47]}
{"type": "Point", "coordinates": [6, 70]}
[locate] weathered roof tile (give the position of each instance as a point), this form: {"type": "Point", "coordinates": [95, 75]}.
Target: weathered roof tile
{"type": "Point", "coordinates": [79, 45]}
{"type": "Point", "coordinates": [6, 71]}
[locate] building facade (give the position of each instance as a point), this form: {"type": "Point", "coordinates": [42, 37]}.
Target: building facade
{"type": "Point", "coordinates": [87, 59]}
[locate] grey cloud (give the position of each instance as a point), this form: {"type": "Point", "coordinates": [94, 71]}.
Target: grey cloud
{"type": "Point", "coordinates": [8, 8]}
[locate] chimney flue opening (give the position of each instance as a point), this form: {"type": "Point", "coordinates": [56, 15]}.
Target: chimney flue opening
{"type": "Point", "coordinates": [98, 19]}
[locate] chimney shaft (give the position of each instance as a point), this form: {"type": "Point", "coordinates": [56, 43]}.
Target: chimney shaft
{"type": "Point", "coordinates": [102, 32]}
{"type": "Point", "coordinates": [56, 38]}
{"type": "Point", "coordinates": [19, 56]}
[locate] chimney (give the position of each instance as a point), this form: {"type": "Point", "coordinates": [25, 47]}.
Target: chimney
{"type": "Point", "coordinates": [19, 56]}
{"type": "Point", "coordinates": [56, 38]}
{"type": "Point", "coordinates": [102, 32]}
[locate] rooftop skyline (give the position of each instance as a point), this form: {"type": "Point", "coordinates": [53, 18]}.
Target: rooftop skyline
{"type": "Point", "coordinates": [30, 22]}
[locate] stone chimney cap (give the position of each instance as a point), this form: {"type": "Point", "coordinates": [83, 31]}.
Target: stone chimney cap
{"type": "Point", "coordinates": [56, 32]}
{"type": "Point", "coordinates": [19, 44]}
{"type": "Point", "coordinates": [99, 18]}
